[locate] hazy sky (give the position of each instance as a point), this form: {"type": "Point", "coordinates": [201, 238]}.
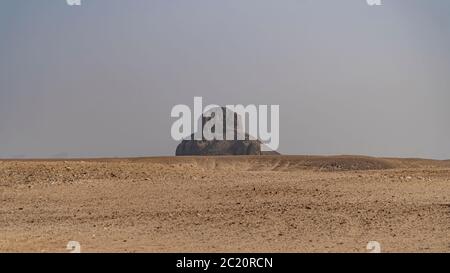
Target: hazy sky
{"type": "Point", "coordinates": [101, 79]}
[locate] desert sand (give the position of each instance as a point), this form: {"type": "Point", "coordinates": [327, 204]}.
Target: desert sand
{"type": "Point", "coordinates": [225, 204]}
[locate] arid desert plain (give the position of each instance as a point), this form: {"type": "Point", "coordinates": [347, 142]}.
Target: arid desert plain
{"type": "Point", "coordinates": [225, 204]}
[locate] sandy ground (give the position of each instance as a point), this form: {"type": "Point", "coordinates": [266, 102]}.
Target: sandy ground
{"type": "Point", "coordinates": [225, 204]}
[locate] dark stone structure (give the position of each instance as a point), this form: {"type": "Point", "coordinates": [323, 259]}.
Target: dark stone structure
{"type": "Point", "coordinates": [221, 147]}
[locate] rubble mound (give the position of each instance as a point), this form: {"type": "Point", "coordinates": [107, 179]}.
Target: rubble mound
{"type": "Point", "coordinates": [246, 146]}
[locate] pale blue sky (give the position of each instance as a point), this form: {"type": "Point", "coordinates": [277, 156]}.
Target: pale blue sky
{"type": "Point", "coordinates": [101, 79]}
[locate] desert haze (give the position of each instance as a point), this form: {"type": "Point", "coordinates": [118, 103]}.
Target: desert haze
{"type": "Point", "coordinates": [225, 204]}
